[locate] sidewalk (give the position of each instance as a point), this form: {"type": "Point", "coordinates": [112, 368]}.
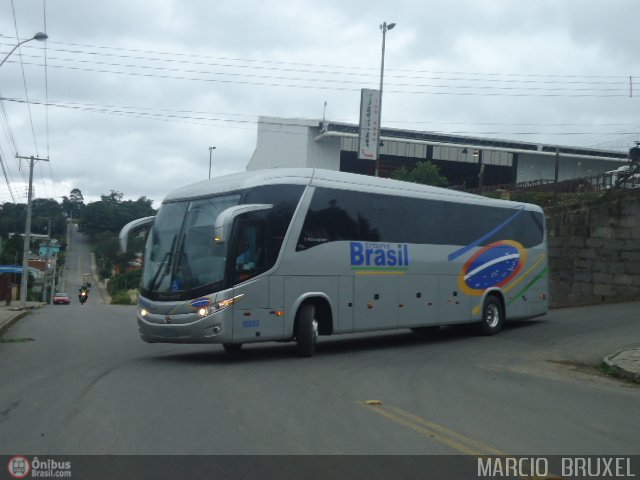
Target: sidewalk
{"type": "Point", "coordinates": [11, 314]}
{"type": "Point", "coordinates": [625, 364]}
{"type": "Point", "coordinates": [102, 286]}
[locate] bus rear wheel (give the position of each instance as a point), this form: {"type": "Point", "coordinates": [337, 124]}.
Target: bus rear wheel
{"type": "Point", "coordinates": [306, 331]}
{"type": "Point", "coordinates": [492, 316]}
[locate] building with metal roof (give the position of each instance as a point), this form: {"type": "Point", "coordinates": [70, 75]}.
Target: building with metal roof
{"type": "Point", "coordinates": [464, 160]}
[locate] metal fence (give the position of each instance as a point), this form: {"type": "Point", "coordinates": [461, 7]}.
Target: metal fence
{"type": "Point", "coordinates": [595, 183]}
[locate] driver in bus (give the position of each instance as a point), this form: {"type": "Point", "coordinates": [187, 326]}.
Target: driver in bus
{"type": "Point", "coordinates": [248, 258]}
{"type": "Point", "coordinates": [245, 260]}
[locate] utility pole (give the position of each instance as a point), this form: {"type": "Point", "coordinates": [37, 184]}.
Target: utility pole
{"type": "Point", "coordinates": [53, 286]}
{"type": "Point", "coordinates": [211, 149]}
{"type": "Point", "coordinates": [385, 28]}
{"type": "Point", "coordinates": [47, 276]}
{"type": "Point", "coordinates": [557, 170]}
{"type": "Point", "coordinates": [27, 232]}
{"type": "Point", "coordinates": [478, 154]}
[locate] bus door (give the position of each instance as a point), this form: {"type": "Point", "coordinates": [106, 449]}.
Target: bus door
{"type": "Point", "coordinates": [253, 319]}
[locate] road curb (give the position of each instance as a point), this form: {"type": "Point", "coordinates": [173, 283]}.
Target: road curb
{"type": "Point", "coordinates": [611, 361]}
{"type": "Point", "coordinates": [104, 294]}
{"type": "Point", "coordinates": [9, 323]}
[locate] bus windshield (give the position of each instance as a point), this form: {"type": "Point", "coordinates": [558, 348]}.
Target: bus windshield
{"type": "Point", "coordinates": [181, 254]}
{"type": "Point", "coordinates": [183, 261]}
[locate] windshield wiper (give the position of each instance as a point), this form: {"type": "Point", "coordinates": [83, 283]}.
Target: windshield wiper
{"type": "Point", "coordinates": [165, 267]}
{"type": "Point", "coordinates": [179, 253]}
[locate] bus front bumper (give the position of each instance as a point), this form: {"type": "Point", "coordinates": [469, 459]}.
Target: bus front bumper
{"type": "Point", "coordinates": [211, 329]}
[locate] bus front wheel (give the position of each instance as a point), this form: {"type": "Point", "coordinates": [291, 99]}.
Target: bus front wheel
{"type": "Point", "coordinates": [492, 316]}
{"type": "Point", "coordinates": [307, 330]}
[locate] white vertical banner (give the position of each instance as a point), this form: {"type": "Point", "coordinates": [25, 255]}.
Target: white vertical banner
{"type": "Point", "coordinates": [369, 124]}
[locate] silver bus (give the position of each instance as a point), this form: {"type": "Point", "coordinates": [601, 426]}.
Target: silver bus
{"type": "Point", "coordinates": [291, 254]}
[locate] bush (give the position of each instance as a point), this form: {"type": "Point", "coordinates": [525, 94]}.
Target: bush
{"type": "Point", "coordinates": [124, 281]}
{"type": "Point", "coordinates": [426, 173]}
{"type": "Point", "coordinates": [122, 297]}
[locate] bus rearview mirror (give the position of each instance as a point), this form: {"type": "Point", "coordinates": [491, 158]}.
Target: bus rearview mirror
{"type": "Point", "coordinates": [124, 232]}
{"type": "Point", "coordinates": [224, 222]}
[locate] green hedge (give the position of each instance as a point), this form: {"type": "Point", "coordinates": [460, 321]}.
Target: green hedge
{"type": "Point", "coordinates": [122, 297]}
{"type": "Point", "coordinates": [124, 281]}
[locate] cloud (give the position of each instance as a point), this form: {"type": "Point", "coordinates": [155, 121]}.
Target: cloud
{"type": "Point", "coordinates": [140, 90]}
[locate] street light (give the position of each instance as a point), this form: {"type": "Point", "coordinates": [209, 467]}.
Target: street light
{"type": "Point", "coordinates": [38, 36]}
{"type": "Point", "coordinates": [211, 149]}
{"type": "Point", "coordinates": [27, 231]}
{"type": "Point", "coordinates": [384, 27]}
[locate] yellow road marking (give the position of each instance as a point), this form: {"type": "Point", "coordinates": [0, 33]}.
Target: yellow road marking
{"type": "Point", "coordinates": [438, 432]}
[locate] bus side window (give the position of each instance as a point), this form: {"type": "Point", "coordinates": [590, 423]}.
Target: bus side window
{"type": "Point", "coordinates": [332, 217]}
{"type": "Point", "coordinates": [311, 238]}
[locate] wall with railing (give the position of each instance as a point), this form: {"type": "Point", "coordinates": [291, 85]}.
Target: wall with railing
{"type": "Point", "coordinates": [594, 183]}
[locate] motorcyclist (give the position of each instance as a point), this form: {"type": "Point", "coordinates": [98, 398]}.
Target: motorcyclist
{"type": "Point", "coordinates": [83, 293]}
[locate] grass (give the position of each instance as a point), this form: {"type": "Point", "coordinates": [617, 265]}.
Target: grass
{"type": "Point", "coordinates": [16, 340]}
{"type": "Point", "coordinates": [612, 372]}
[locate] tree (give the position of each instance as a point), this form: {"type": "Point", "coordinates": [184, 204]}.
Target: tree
{"type": "Point", "coordinates": [12, 249]}
{"type": "Point", "coordinates": [73, 204]}
{"type": "Point", "coordinates": [103, 220]}
{"type": "Point", "coordinates": [113, 198]}
{"type": "Point", "coordinates": [43, 211]}
{"type": "Point", "coordinates": [12, 218]}
{"type": "Point", "coordinates": [426, 173]}
{"type": "Point", "coordinates": [111, 213]}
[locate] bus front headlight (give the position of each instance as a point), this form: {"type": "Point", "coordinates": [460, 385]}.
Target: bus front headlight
{"type": "Point", "coordinates": [218, 306]}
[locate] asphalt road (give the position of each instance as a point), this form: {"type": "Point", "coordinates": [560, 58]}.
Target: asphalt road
{"type": "Point", "coordinates": [87, 384]}
{"type": "Point", "coordinates": [79, 381]}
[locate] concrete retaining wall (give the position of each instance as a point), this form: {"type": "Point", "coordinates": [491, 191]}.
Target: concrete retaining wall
{"type": "Point", "coordinates": [594, 251]}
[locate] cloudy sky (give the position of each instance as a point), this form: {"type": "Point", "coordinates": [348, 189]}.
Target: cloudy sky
{"type": "Point", "coordinates": [130, 95]}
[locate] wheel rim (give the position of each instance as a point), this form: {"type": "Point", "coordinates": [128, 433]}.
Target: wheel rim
{"type": "Point", "coordinates": [314, 328]}
{"type": "Point", "coordinates": [492, 315]}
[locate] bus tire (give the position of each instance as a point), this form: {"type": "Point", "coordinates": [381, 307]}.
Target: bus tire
{"type": "Point", "coordinates": [492, 316]}
{"type": "Point", "coordinates": [232, 347]}
{"type": "Point", "coordinates": [306, 330]}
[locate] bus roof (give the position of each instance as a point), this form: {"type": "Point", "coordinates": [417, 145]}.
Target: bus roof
{"type": "Point", "coordinates": [328, 179]}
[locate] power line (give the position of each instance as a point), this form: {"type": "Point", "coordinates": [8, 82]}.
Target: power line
{"type": "Point", "coordinates": [46, 77]}
{"type": "Point", "coordinates": [186, 117]}
{"type": "Point", "coordinates": [483, 90]}
{"type": "Point", "coordinates": [523, 80]}
{"type": "Point", "coordinates": [6, 176]}
{"type": "Point", "coordinates": [24, 79]}
{"type": "Point", "coordinates": [502, 84]}
{"type": "Point", "coordinates": [351, 67]}
{"type": "Point", "coordinates": [46, 90]}
{"type": "Point", "coordinates": [251, 116]}
{"type": "Point", "coordinates": [6, 125]}
{"type": "Point", "coordinates": [621, 80]}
